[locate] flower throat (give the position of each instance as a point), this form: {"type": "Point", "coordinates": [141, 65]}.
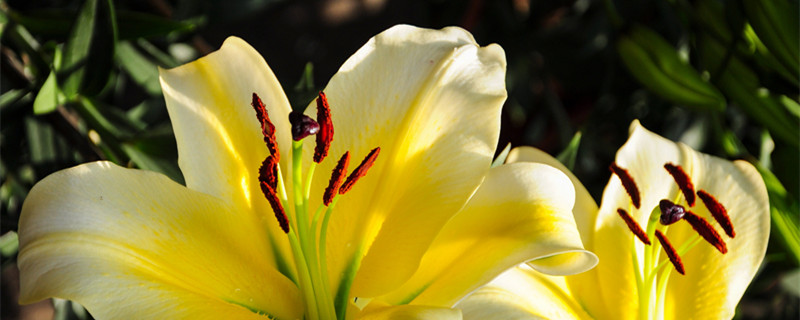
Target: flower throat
{"type": "Point", "coordinates": [307, 232]}
{"type": "Point", "coordinates": [652, 276]}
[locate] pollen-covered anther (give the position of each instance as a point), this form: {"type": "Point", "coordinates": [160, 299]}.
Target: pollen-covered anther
{"type": "Point", "coordinates": [336, 178]}
{"type": "Point", "coordinates": [267, 128]}
{"type": "Point", "coordinates": [670, 212]}
{"type": "Point", "coordinates": [325, 135]}
{"type": "Point", "coordinates": [302, 125]}
{"type": "Point", "coordinates": [671, 253]}
{"type": "Point", "coordinates": [627, 183]}
{"type": "Point", "coordinates": [705, 230]}
{"type": "Point", "coordinates": [268, 172]}
{"type": "Point", "coordinates": [277, 208]}
{"type": "Point", "coordinates": [633, 226]}
{"type": "Point", "coordinates": [683, 181]}
{"type": "Point", "coordinates": [360, 171]}
{"type": "Point", "coordinates": [718, 212]}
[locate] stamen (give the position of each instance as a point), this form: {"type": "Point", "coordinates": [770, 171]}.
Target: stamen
{"type": "Point", "coordinates": [360, 171]}
{"type": "Point", "coordinates": [336, 178]}
{"type": "Point", "coordinates": [627, 182]}
{"type": "Point", "coordinates": [718, 212]}
{"type": "Point", "coordinates": [633, 226]}
{"type": "Point", "coordinates": [302, 125]}
{"type": "Point", "coordinates": [683, 181]}
{"type": "Point", "coordinates": [705, 230]}
{"type": "Point", "coordinates": [325, 135]}
{"type": "Point", "coordinates": [671, 253]}
{"type": "Point", "coordinates": [670, 212]}
{"type": "Point", "coordinates": [277, 208]}
{"type": "Point", "coordinates": [268, 172]}
{"type": "Point", "coordinates": [267, 129]}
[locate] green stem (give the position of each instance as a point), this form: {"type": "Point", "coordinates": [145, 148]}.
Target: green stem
{"type": "Point", "coordinates": [304, 276]}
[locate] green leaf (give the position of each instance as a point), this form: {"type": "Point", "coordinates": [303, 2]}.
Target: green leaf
{"type": "Point", "coordinates": [131, 25]}
{"type": "Point", "coordinates": [783, 211]}
{"type": "Point", "coordinates": [134, 25]}
{"type": "Point", "coordinates": [142, 71]}
{"type": "Point", "coordinates": [9, 244]}
{"type": "Point", "coordinates": [47, 99]}
{"type": "Point", "coordinates": [501, 158]}
{"type": "Point", "coordinates": [570, 153]}
{"type": "Point", "coordinates": [88, 58]}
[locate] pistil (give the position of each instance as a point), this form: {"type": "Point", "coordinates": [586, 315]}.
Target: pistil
{"type": "Point", "coordinates": [307, 238]}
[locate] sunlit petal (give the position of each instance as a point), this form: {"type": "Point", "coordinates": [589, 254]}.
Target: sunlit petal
{"type": "Point", "coordinates": [522, 212]}
{"type": "Point", "coordinates": [430, 99]}
{"type": "Point", "coordinates": [522, 293]}
{"type": "Point", "coordinates": [585, 210]}
{"type": "Point", "coordinates": [219, 138]}
{"type": "Point", "coordinates": [133, 244]}
{"type": "Point", "coordinates": [409, 312]}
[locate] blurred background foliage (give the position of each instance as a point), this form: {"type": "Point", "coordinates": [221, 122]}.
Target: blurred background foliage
{"type": "Point", "coordinates": [79, 82]}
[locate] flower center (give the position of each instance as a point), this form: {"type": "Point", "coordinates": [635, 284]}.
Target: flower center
{"type": "Point", "coordinates": [653, 275]}
{"type": "Point", "coordinates": [307, 233]}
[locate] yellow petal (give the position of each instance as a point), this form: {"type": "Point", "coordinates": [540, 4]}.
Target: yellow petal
{"type": "Point", "coordinates": [430, 99]}
{"type": "Point", "coordinates": [409, 312]}
{"type": "Point", "coordinates": [522, 293]}
{"type": "Point", "coordinates": [219, 138]}
{"type": "Point", "coordinates": [133, 244]}
{"type": "Point", "coordinates": [521, 212]}
{"type": "Point", "coordinates": [584, 284]}
{"type": "Point", "coordinates": [714, 283]}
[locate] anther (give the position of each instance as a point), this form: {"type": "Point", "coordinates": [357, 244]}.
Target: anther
{"type": "Point", "coordinates": [360, 171]}
{"type": "Point", "coordinates": [302, 125]}
{"type": "Point", "coordinates": [268, 172]}
{"type": "Point", "coordinates": [633, 226]}
{"type": "Point", "coordinates": [277, 208]}
{"type": "Point", "coordinates": [627, 182]}
{"type": "Point", "coordinates": [267, 129]}
{"type": "Point", "coordinates": [670, 212]}
{"type": "Point", "coordinates": [336, 178]}
{"type": "Point", "coordinates": [325, 135]}
{"type": "Point", "coordinates": [705, 230]}
{"type": "Point", "coordinates": [718, 212]}
{"type": "Point", "coordinates": [683, 181]}
{"type": "Point", "coordinates": [671, 253]}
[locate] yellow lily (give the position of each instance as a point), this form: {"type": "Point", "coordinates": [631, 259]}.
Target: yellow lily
{"type": "Point", "coordinates": [428, 223]}
{"type": "Point", "coordinates": [634, 280]}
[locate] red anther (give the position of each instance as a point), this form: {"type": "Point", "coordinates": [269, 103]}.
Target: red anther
{"type": "Point", "coordinates": [627, 182]}
{"type": "Point", "coordinates": [268, 172]}
{"type": "Point", "coordinates": [683, 181]}
{"type": "Point", "coordinates": [325, 135]}
{"type": "Point", "coordinates": [360, 171]}
{"type": "Point", "coordinates": [705, 230]}
{"type": "Point", "coordinates": [633, 226]}
{"type": "Point", "coordinates": [277, 208]}
{"type": "Point", "coordinates": [718, 212]}
{"type": "Point", "coordinates": [267, 129]}
{"type": "Point", "coordinates": [671, 253]}
{"type": "Point", "coordinates": [336, 178]}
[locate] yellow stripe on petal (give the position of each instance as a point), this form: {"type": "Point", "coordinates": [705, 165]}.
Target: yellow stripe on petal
{"type": "Point", "coordinates": [431, 100]}
{"type": "Point", "coordinates": [133, 244]}
{"type": "Point", "coordinates": [522, 293]}
{"type": "Point", "coordinates": [522, 212]}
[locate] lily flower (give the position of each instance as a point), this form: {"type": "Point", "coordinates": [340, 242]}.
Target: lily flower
{"type": "Point", "coordinates": [263, 229]}
{"type": "Point", "coordinates": [706, 220]}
